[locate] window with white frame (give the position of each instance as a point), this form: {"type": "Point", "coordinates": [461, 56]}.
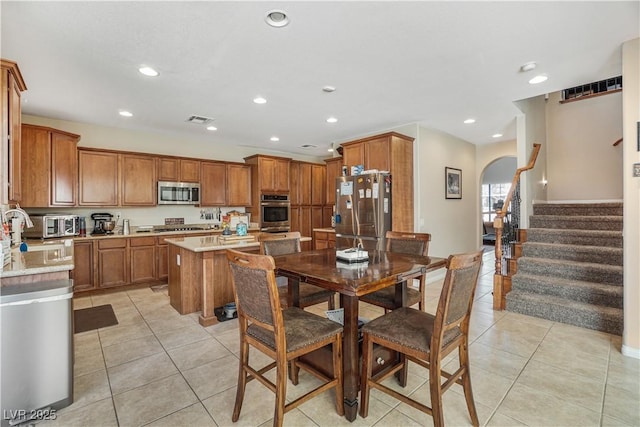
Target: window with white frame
{"type": "Point", "coordinates": [492, 196]}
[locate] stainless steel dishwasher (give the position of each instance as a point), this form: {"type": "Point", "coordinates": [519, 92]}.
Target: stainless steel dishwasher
{"type": "Point", "coordinates": [37, 350]}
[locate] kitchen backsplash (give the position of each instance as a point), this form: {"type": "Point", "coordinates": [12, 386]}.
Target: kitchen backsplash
{"type": "Point", "coordinates": [145, 216]}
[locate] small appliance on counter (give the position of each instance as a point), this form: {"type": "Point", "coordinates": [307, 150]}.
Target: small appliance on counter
{"type": "Point", "coordinates": [52, 225]}
{"type": "Point", "coordinates": [352, 255]}
{"type": "Point", "coordinates": [102, 223]}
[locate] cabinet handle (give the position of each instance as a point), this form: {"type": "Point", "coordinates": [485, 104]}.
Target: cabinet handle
{"type": "Point", "coordinates": [380, 361]}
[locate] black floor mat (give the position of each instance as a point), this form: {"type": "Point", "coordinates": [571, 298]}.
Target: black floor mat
{"type": "Point", "coordinates": [87, 319]}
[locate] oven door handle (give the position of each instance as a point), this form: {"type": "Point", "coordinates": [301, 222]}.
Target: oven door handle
{"type": "Point", "coordinates": [276, 204]}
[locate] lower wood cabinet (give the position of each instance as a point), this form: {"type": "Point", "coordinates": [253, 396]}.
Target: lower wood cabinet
{"type": "Point", "coordinates": [324, 239]}
{"type": "Point", "coordinates": [142, 258]}
{"type": "Point", "coordinates": [112, 262]}
{"type": "Point", "coordinates": [82, 273]}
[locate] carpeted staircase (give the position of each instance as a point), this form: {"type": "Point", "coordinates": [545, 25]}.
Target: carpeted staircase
{"type": "Point", "coordinates": [570, 270]}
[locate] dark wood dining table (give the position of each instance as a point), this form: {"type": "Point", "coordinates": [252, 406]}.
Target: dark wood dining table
{"type": "Point", "coordinates": [320, 267]}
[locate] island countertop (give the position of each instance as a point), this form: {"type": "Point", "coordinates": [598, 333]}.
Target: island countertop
{"type": "Point", "coordinates": [217, 243]}
{"type": "Point", "coordinates": [48, 257]}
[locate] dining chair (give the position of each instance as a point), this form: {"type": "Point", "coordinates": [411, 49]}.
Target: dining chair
{"type": "Point", "coordinates": [406, 243]}
{"type": "Point", "coordinates": [275, 244]}
{"type": "Point", "coordinates": [282, 334]}
{"type": "Point", "coordinates": [426, 339]}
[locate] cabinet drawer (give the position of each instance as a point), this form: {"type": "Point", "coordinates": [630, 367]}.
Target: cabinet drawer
{"type": "Point", "coordinates": [112, 243]}
{"type": "Point", "coordinates": [142, 241]}
{"type": "Point", "coordinates": [321, 235]}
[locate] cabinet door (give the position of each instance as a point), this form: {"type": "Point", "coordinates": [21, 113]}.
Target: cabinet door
{"type": "Point", "coordinates": [98, 178]}
{"type": "Point", "coordinates": [13, 113]}
{"type": "Point", "coordinates": [306, 226]}
{"type": "Point", "coordinates": [377, 155]}
{"type": "Point", "coordinates": [168, 169]}
{"type": "Point", "coordinates": [112, 263]}
{"type": "Point", "coordinates": [294, 174]}
{"type": "Point", "coordinates": [189, 170]}
{"type": "Point", "coordinates": [162, 261]}
{"type": "Point", "coordinates": [327, 212]}
{"type": "Point", "coordinates": [142, 252]}
{"type": "Point", "coordinates": [281, 177]}
{"type": "Point", "coordinates": [317, 184]}
{"type": "Point", "coordinates": [138, 180]}
{"type": "Point", "coordinates": [239, 184]}
{"type": "Point", "coordinates": [64, 169]}
{"type": "Point", "coordinates": [82, 274]}
{"type": "Point", "coordinates": [334, 170]}
{"type": "Point", "coordinates": [213, 184]}
{"type": "Point", "coordinates": [267, 170]}
{"type": "Point", "coordinates": [295, 218]}
{"type": "Point", "coordinates": [304, 182]}
{"type": "Point", "coordinates": [352, 155]}
{"type": "Point", "coordinates": [36, 164]}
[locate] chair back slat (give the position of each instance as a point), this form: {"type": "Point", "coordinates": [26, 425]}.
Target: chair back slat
{"type": "Point", "coordinates": [408, 243]}
{"type": "Point", "coordinates": [280, 244]}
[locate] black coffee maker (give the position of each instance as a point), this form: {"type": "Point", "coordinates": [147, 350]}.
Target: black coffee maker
{"type": "Point", "coordinates": [102, 223]}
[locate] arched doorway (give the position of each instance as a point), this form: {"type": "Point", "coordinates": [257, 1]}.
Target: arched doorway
{"type": "Point", "coordinates": [494, 185]}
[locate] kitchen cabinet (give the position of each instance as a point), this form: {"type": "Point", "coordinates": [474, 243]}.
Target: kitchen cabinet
{"type": "Point", "coordinates": [334, 170]}
{"type": "Point", "coordinates": [82, 273]}
{"type": "Point", "coordinates": [294, 193]}
{"type": "Point", "coordinates": [391, 152]}
{"type": "Point", "coordinates": [162, 261]}
{"type": "Point", "coordinates": [142, 259]}
{"type": "Point", "coordinates": [178, 169]}
{"type": "Point", "coordinates": [324, 239]}
{"type": "Point", "coordinates": [10, 150]}
{"type": "Point", "coordinates": [318, 173]}
{"type": "Point", "coordinates": [269, 174]}
{"type": "Point", "coordinates": [98, 173]}
{"type": "Point", "coordinates": [225, 184]}
{"type": "Point", "coordinates": [138, 186]}
{"type": "Point", "coordinates": [238, 185]}
{"type": "Point", "coordinates": [49, 170]}
{"type": "Point", "coordinates": [112, 260]}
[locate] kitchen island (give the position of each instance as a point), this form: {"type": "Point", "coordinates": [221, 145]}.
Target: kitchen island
{"type": "Point", "coordinates": [51, 260]}
{"type": "Point", "coordinates": [199, 275]}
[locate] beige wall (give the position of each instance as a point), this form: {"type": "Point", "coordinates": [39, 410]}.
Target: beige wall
{"type": "Point", "coordinates": [582, 164]}
{"type": "Point", "coordinates": [631, 185]}
{"type": "Point", "coordinates": [453, 224]}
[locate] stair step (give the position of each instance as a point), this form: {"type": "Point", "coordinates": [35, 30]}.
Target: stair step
{"type": "Point", "coordinates": [600, 318]}
{"type": "Point", "coordinates": [583, 222]}
{"type": "Point", "coordinates": [574, 290]}
{"type": "Point", "coordinates": [577, 253]}
{"type": "Point", "coordinates": [599, 209]}
{"type": "Point", "coordinates": [576, 237]}
{"type": "Point", "coordinates": [582, 271]}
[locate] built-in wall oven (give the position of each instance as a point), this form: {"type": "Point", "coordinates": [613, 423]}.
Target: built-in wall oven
{"type": "Point", "coordinates": [275, 213]}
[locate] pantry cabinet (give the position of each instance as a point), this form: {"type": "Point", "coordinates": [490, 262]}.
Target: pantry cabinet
{"type": "Point", "coordinates": [11, 115]}
{"type": "Point", "coordinates": [333, 170]}
{"type": "Point", "coordinates": [391, 152]}
{"type": "Point", "coordinates": [49, 169]}
{"type": "Point", "coordinates": [178, 169]}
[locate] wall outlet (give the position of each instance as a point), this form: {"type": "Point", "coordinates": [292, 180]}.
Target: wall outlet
{"type": "Point", "coordinates": [636, 170]}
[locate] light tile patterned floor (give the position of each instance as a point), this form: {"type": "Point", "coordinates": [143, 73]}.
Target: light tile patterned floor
{"type": "Point", "coordinates": [159, 368]}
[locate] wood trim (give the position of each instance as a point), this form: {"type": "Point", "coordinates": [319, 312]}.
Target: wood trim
{"type": "Point", "coordinates": [378, 136]}
{"type": "Point", "coordinates": [13, 68]}
{"type": "Point", "coordinates": [52, 130]}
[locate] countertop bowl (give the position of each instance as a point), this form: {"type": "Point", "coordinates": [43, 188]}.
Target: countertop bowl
{"type": "Point", "coordinates": [108, 225]}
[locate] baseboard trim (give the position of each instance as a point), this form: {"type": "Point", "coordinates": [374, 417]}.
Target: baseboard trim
{"type": "Point", "coordinates": [630, 352]}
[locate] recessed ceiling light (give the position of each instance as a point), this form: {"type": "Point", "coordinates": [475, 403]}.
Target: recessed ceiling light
{"type": "Point", "coordinates": [332, 120]}
{"type": "Point", "coordinates": [212, 128]}
{"type": "Point", "coordinates": [330, 150]}
{"type": "Point", "coordinates": [148, 71]}
{"type": "Point", "coordinates": [126, 114]}
{"type": "Point", "coordinates": [277, 18]}
{"type": "Point", "coordinates": [259, 100]}
{"type": "Point", "coordinates": [275, 139]}
{"type": "Point", "coordinates": [469, 121]}
{"type": "Point", "coordinates": [329, 89]}
{"type": "Point", "coordinates": [538, 79]}
{"type": "Point", "coordinates": [497, 135]}
{"type": "Point", "coordinates": [528, 67]}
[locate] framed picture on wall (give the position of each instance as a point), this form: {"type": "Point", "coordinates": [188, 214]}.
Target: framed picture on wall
{"type": "Point", "coordinates": [453, 183]}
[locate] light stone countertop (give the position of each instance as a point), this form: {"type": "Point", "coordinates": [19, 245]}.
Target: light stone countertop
{"type": "Point", "coordinates": [325, 230]}
{"type": "Point", "coordinates": [47, 257]}
{"type": "Point", "coordinates": [215, 243]}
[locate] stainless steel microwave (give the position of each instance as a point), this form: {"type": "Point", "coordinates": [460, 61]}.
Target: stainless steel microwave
{"type": "Point", "coordinates": [178, 193]}
{"type": "Point", "coordinates": [47, 226]}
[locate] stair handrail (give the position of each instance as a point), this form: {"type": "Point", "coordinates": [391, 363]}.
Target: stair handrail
{"type": "Point", "coordinates": [615, 144]}
{"type": "Point", "coordinates": [499, 288]}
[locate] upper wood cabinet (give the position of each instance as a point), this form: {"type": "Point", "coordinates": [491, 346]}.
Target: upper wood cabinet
{"type": "Point", "coordinates": [391, 152]}
{"type": "Point", "coordinates": [98, 177]}
{"type": "Point", "coordinates": [318, 173]}
{"type": "Point", "coordinates": [307, 183]}
{"type": "Point", "coordinates": [178, 170]}
{"type": "Point", "coordinates": [334, 170]}
{"type": "Point", "coordinates": [272, 173]}
{"type": "Point", "coordinates": [238, 184]}
{"type": "Point", "coordinates": [10, 149]}
{"type": "Point", "coordinates": [49, 167]}
{"type": "Point", "coordinates": [138, 186]}
{"type": "Point", "coordinates": [225, 184]}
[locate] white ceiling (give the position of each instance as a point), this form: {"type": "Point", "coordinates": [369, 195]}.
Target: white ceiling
{"type": "Point", "coordinates": [392, 63]}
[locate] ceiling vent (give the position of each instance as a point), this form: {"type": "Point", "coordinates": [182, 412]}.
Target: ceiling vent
{"type": "Point", "coordinates": [199, 120]}
{"type": "Point", "coordinates": [309, 146]}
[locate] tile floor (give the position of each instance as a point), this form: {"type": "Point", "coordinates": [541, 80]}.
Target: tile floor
{"type": "Point", "coordinates": [159, 368]}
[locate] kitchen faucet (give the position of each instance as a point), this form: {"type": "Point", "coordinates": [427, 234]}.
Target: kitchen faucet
{"type": "Point", "coordinates": [18, 210]}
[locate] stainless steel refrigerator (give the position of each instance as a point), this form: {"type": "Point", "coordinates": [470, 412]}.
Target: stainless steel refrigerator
{"type": "Point", "coordinates": [363, 210]}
